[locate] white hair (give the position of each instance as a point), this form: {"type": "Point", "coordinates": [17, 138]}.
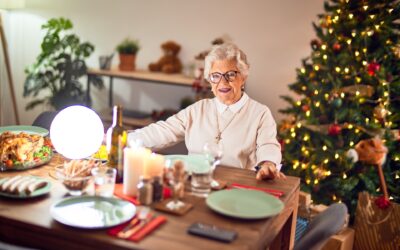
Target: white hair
{"type": "Point", "coordinates": [226, 51]}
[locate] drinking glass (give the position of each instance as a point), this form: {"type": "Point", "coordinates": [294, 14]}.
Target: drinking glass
{"type": "Point", "coordinates": [213, 152]}
{"type": "Point", "coordinates": [176, 183]}
{"type": "Point", "coordinates": [104, 181]}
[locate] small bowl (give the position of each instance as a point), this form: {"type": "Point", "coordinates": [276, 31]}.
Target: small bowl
{"type": "Point", "coordinates": [75, 185]}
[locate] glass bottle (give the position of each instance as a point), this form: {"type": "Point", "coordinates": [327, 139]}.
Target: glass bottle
{"type": "Point", "coordinates": [157, 189]}
{"type": "Point", "coordinates": [116, 142]}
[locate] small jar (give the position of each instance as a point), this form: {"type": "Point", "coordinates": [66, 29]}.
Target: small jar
{"type": "Point", "coordinates": [145, 191]}
{"type": "Point", "coordinates": [157, 189]}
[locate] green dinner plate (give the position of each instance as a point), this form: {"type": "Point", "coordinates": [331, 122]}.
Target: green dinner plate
{"type": "Point", "coordinates": [196, 163]}
{"type": "Point", "coordinates": [244, 203]}
{"type": "Point", "coordinates": [26, 129]}
{"type": "Point", "coordinates": [39, 192]}
{"type": "Point", "coordinates": [92, 212]}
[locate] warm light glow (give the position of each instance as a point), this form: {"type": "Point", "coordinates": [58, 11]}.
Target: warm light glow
{"type": "Point", "coordinates": [372, 16]}
{"type": "Point", "coordinates": [324, 148]}
{"type": "Point", "coordinates": [287, 141]}
{"type": "Point", "coordinates": [316, 92]}
{"type": "Point", "coordinates": [367, 120]}
{"type": "Point", "coordinates": [308, 113]}
{"type": "Point", "coordinates": [303, 70]}
{"type": "Point", "coordinates": [325, 57]}
{"type": "Point", "coordinates": [317, 104]}
{"type": "Point", "coordinates": [298, 125]}
{"type": "Point", "coordinates": [76, 132]}
{"type": "Point", "coordinates": [308, 181]}
{"type": "Point", "coordinates": [323, 46]}
{"type": "Point", "coordinates": [334, 197]}
{"type": "Point", "coordinates": [357, 93]}
{"type": "Point", "coordinates": [298, 103]}
{"type": "Point", "coordinates": [348, 41]}
{"type": "Point", "coordinates": [326, 161]}
{"type": "Point", "coordinates": [397, 176]}
{"type": "Point", "coordinates": [351, 16]}
{"type": "Point", "coordinates": [330, 30]}
{"type": "Point", "coordinates": [365, 50]}
{"type": "Point", "coordinates": [386, 94]}
{"type": "Point", "coordinates": [303, 166]}
{"type": "Point", "coordinates": [293, 134]}
{"type": "Point", "coordinates": [350, 126]}
{"type": "Point", "coordinates": [346, 70]}
{"type": "Point", "coordinates": [316, 181]}
{"type": "Point", "coordinates": [304, 88]}
{"type": "Point", "coordinates": [351, 144]}
{"type": "Point", "coordinates": [353, 34]}
{"type": "Point", "coordinates": [342, 94]}
{"type": "Point", "coordinates": [336, 156]}
{"type": "Point", "coordinates": [326, 96]}
{"type": "Point", "coordinates": [370, 33]}
{"type": "Point", "coordinates": [344, 176]}
{"type": "Point", "coordinates": [364, 63]}
{"type": "Point", "coordinates": [316, 67]}
{"type": "Point", "coordinates": [328, 173]}
{"type": "Point", "coordinates": [358, 79]}
{"type": "Point", "coordinates": [357, 53]}
{"type": "Point", "coordinates": [306, 138]}
{"type": "Point", "coordinates": [365, 7]}
{"type": "Point", "coordinates": [357, 130]}
{"type": "Point", "coordinates": [337, 69]}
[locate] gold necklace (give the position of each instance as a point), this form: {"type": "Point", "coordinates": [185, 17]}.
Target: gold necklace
{"type": "Point", "coordinates": [218, 138]}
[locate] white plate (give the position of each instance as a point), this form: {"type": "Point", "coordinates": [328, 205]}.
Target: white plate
{"type": "Point", "coordinates": [92, 212]}
{"type": "Point", "coordinates": [39, 192]}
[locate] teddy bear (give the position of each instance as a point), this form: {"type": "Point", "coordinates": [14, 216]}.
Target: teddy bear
{"type": "Point", "coordinates": [169, 63]}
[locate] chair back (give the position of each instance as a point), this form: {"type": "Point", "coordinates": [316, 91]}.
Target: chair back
{"type": "Point", "coordinates": [322, 227]}
{"type": "Point", "coordinates": [45, 119]}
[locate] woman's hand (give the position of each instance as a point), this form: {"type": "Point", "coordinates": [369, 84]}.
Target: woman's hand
{"type": "Point", "coordinates": [268, 170]}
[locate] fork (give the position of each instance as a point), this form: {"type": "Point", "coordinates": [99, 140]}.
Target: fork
{"type": "Point", "coordinates": [141, 216]}
{"type": "Point", "coordinates": [144, 219]}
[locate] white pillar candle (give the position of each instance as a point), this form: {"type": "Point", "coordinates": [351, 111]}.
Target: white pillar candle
{"type": "Point", "coordinates": [154, 166]}
{"type": "Point", "coordinates": [134, 161]}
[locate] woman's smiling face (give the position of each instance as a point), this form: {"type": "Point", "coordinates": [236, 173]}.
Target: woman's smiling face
{"type": "Point", "coordinates": [228, 92]}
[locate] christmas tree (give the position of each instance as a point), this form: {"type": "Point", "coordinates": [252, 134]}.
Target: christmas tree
{"type": "Point", "coordinates": [347, 91]}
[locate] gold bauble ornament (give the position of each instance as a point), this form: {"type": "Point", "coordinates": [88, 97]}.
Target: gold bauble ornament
{"type": "Point", "coordinates": [380, 112]}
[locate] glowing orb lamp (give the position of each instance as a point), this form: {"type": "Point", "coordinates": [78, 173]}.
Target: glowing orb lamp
{"type": "Point", "coordinates": [76, 132]}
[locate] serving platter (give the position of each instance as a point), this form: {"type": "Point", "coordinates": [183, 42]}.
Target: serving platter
{"type": "Point", "coordinates": [28, 164]}
{"type": "Point", "coordinates": [27, 129]}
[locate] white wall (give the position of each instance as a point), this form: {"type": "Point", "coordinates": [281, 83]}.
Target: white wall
{"type": "Point", "coordinates": [274, 34]}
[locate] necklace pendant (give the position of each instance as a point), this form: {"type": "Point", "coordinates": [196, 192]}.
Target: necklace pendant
{"type": "Point", "coordinates": [218, 138]}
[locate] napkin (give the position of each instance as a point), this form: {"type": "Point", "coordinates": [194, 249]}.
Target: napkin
{"type": "Point", "coordinates": [274, 192]}
{"type": "Point", "coordinates": [143, 232]}
{"type": "Point", "coordinates": [118, 191]}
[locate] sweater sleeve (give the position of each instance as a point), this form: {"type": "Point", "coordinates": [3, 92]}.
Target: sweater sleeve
{"type": "Point", "coordinates": [162, 134]}
{"type": "Point", "coordinates": [268, 147]}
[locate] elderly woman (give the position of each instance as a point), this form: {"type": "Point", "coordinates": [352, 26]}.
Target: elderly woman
{"type": "Point", "coordinates": [245, 127]}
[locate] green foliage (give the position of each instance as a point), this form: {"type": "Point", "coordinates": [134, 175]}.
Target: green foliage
{"type": "Point", "coordinates": [59, 67]}
{"type": "Point", "coordinates": [128, 46]}
{"type": "Point", "coordinates": [332, 89]}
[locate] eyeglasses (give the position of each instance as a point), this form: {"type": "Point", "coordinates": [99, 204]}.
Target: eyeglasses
{"type": "Point", "coordinates": [229, 76]}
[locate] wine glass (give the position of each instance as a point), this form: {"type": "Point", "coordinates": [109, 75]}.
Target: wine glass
{"type": "Point", "coordinates": [176, 180]}
{"type": "Point", "coordinates": [213, 152]}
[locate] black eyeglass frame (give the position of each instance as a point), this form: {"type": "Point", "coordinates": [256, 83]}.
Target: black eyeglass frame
{"type": "Point", "coordinates": [225, 75]}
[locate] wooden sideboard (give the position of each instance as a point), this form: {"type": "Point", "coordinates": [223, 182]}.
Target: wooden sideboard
{"type": "Point", "coordinates": [140, 75]}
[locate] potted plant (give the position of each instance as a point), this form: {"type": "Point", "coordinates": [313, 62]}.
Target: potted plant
{"type": "Point", "coordinates": [59, 67]}
{"type": "Point", "coordinates": [127, 50]}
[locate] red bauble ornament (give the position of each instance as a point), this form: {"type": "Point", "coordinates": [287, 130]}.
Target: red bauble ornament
{"type": "Point", "coordinates": [305, 107]}
{"type": "Point", "coordinates": [334, 129]}
{"type": "Point", "coordinates": [373, 68]}
{"type": "Point", "coordinates": [382, 202]}
{"type": "Point", "coordinates": [337, 47]}
{"type": "Point", "coordinates": [282, 143]}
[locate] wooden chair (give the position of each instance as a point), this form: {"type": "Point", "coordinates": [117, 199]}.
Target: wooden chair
{"type": "Point", "coordinates": [323, 226]}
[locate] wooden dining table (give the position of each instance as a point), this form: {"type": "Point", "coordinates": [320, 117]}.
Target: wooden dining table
{"type": "Point", "coordinates": [27, 222]}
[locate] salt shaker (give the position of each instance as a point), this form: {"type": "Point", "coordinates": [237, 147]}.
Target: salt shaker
{"type": "Point", "coordinates": [145, 191]}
